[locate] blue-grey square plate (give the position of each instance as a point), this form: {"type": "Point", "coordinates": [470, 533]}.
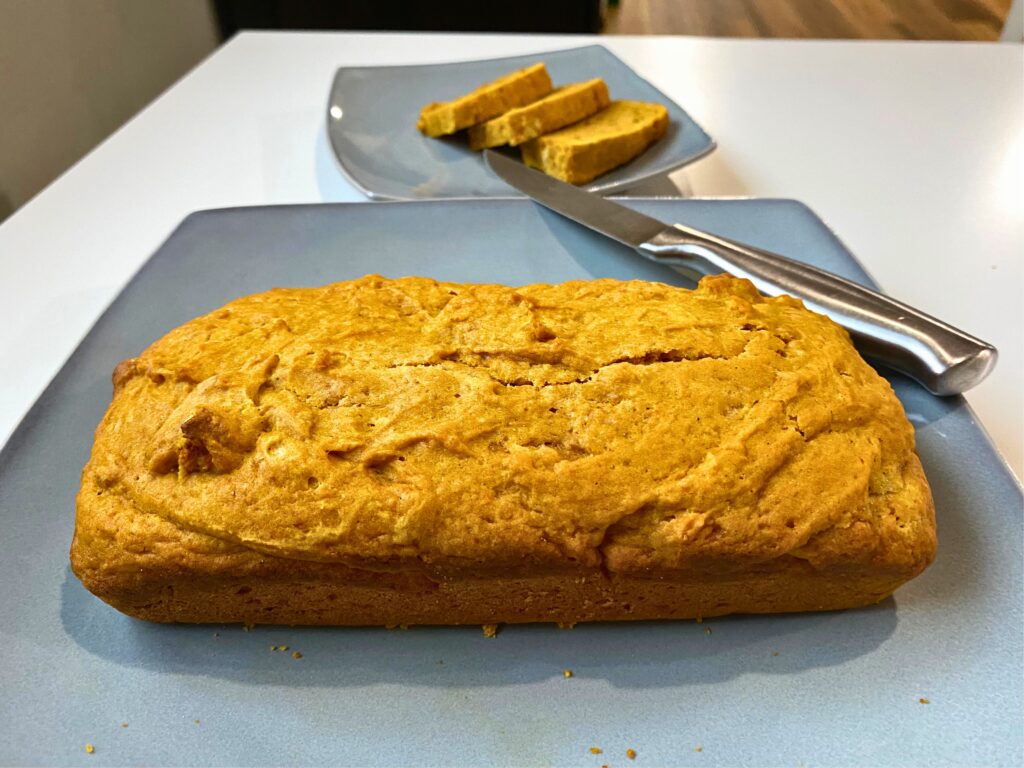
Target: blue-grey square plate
{"type": "Point", "coordinates": [372, 113]}
{"type": "Point", "coordinates": [811, 689]}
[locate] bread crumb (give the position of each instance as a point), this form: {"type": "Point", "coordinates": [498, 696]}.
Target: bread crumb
{"type": "Point", "coordinates": [775, 653]}
{"type": "Point", "coordinates": [490, 630]}
{"type": "Point", "coordinates": [196, 722]}
{"type": "Point", "coordinates": [124, 725]}
{"type": "Point", "coordinates": [566, 624]}
{"type": "Point", "coordinates": [296, 655]}
{"type": "Point", "coordinates": [700, 619]}
{"type": "Point", "coordinates": [707, 630]}
{"type": "Point", "coordinates": [90, 748]}
{"type": "Point", "coordinates": [567, 673]}
{"type": "Point", "coordinates": [631, 754]}
{"type": "Point", "coordinates": [248, 626]}
{"type": "Point", "coordinates": [698, 748]}
{"type": "Point", "coordinates": [923, 700]}
{"type": "Point", "coordinates": [596, 750]}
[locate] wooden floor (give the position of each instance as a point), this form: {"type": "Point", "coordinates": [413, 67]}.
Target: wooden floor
{"type": "Point", "coordinates": [867, 19]}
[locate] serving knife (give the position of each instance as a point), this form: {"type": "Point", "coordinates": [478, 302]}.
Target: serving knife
{"type": "Point", "coordinates": [944, 359]}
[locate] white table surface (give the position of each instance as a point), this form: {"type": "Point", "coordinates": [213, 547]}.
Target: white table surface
{"type": "Point", "coordinates": [912, 152]}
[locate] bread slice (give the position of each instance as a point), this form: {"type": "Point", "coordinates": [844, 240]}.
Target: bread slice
{"type": "Point", "coordinates": [563, 106]}
{"type": "Point", "coordinates": [591, 147]}
{"type": "Point", "coordinates": [489, 100]}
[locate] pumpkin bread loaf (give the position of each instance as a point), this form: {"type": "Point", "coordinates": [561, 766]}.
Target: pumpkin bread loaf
{"type": "Point", "coordinates": [409, 451]}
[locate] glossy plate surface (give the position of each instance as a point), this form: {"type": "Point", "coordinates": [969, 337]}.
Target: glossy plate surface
{"type": "Point", "coordinates": [372, 113]}
{"type": "Point", "coordinates": [812, 689]}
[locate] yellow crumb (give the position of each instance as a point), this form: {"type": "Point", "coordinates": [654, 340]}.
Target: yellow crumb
{"type": "Point", "coordinates": [775, 653]}
{"type": "Point", "coordinates": [698, 748]}
{"type": "Point", "coordinates": [296, 655]}
{"type": "Point", "coordinates": [567, 673]}
{"type": "Point", "coordinates": [124, 725]}
{"type": "Point", "coordinates": [631, 754]}
{"type": "Point", "coordinates": [90, 748]}
{"type": "Point", "coordinates": [924, 701]}
{"type": "Point", "coordinates": [248, 626]}
{"type": "Point", "coordinates": [595, 750]}
{"type": "Point", "coordinates": [566, 624]}
{"type": "Point", "coordinates": [700, 619]}
{"type": "Point", "coordinates": [196, 722]}
{"type": "Point", "coordinates": [490, 630]}
{"type": "Point", "coordinates": [707, 630]}
{"type": "Point", "coordinates": [605, 765]}
{"type": "Point", "coordinates": [282, 647]}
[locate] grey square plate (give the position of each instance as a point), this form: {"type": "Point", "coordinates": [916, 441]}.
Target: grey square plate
{"type": "Point", "coordinates": [812, 689]}
{"type": "Point", "coordinates": [372, 112]}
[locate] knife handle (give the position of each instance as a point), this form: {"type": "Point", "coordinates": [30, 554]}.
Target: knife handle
{"type": "Point", "coordinates": [944, 359]}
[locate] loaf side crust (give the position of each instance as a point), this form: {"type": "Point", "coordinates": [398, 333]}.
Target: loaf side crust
{"type": "Point", "coordinates": [152, 570]}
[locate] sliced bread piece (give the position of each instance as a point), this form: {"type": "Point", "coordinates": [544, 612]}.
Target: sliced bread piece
{"type": "Point", "coordinates": [582, 152]}
{"type": "Point", "coordinates": [564, 106]}
{"type": "Point", "coordinates": [489, 100]}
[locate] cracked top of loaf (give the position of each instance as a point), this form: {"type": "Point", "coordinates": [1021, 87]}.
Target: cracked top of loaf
{"type": "Point", "coordinates": [405, 423]}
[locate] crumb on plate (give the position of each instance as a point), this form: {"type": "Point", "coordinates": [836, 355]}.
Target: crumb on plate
{"type": "Point", "coordinates": [490, 630]}
{"type": "Point", "coordinates": [90, 748]}
{"type": "Point", "coordinates": [631, 754]}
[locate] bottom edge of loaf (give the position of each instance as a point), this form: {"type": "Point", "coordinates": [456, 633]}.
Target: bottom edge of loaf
{"type": "Point", "coordinates": [494, 600]}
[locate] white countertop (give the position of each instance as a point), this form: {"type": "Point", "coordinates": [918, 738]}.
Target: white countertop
{"type": "Point", "coordinates": [912, 152]}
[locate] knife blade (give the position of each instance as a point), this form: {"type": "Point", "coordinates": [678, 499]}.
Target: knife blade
{"type": "Point", "coordinates": [944, 359]}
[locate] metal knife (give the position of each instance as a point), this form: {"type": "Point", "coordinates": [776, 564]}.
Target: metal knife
{"type": "Point", "coordinates": [944, 359]}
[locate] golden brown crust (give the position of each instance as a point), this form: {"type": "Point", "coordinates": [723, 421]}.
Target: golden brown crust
{"type": "Point", "coordinates": [489, 100]}
{"type": "Point", "coordinates": [592, 147]}
{"type": "Point", "coordinates": [398, 435]}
